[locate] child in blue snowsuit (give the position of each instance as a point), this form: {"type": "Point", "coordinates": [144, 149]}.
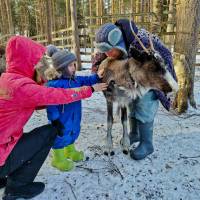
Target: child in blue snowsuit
{"type": "Point", "coordinates": [67, 116]}
{"type": "Point", "coordinates": [116, 41]}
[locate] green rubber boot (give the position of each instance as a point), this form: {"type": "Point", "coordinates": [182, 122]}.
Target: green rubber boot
{"type": "Point", "coordinates": [60, 162]}
{"type": "Point", "coordinates": [73, 154]}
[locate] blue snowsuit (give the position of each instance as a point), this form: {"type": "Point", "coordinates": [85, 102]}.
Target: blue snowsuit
{"type": "Point", "coordinates": [69, 114]}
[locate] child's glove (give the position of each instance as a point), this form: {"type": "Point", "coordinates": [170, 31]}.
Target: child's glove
{"type": "Point", "coordinates": [59, 127]}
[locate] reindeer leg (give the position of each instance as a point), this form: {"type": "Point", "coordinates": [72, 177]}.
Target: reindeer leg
{"type": "Point", "coordinates": [125, 139]}
{"type": "Point", "coordinates": [109, 145]}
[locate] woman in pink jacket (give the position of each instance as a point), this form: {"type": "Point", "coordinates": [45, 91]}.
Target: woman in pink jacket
{"type": "Point", "coordinates": [22, 155]}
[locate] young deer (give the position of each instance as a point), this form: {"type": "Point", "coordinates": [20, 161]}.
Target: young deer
{"type": "Point", "coordinates": [130, 79]}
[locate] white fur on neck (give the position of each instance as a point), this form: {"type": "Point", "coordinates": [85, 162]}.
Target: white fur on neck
{"type": "Point", "coordinates": [139, 91]}
{"type": "Point", "coordinates": [171, 81]}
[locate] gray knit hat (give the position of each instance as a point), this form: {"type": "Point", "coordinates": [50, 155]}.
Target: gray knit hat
{"type": "Point", "coordinates": [60, 58]}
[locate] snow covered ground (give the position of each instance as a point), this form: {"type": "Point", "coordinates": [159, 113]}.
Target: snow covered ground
{"type": "Point", "coordinates": [172, 172]}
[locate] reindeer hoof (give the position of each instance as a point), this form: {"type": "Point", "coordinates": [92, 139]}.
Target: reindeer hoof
{"type": "Point", "coordinates": [125, 152]}
{"type": "Point", "coordinates": [112, 153]}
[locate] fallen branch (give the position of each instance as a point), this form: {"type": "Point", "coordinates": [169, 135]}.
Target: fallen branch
{"type": "Point", "coordinates": [71, 187]}
{"type": "Point", "coordinates": [187, 157]}
{"type": "Point", "coordinates": [115, 168]}
{"type": "Point", "coordinates": [91, 170]}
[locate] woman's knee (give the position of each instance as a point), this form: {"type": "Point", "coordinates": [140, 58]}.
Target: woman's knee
{"type": "Point", "coordinates": [49, 133]}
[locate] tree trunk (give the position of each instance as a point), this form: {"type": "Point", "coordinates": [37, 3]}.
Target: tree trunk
{"type": "Point", "coordinates": [97, 13]}
{"type": "Point", "coordinates": [132, 7]}
{"type": "Point", "coordinates": [48, 21]}
{"type": "Point", "coordinates": [41, 16]}
{"type": "Point", "coordinates": [113, 10]}
{"type": "Point", "coordinates": [138, 10]}
{"type": "Point", "coordinates": [4, 28]}
{"type": "Point", "coordinates": [121, 7]}
{"type": "Point", "coordinates": [90, 11]}
{"type": "Point", "coordinates": [36, 20]}
{"type": "Point", "coordinates": [156, 20]}
{"type": "Point", "coordinates": [68, 13]}
{"type": "Point", "coordinates": [101, 10]}
{"type": "Point", "coordinates": [170, 24]}
{"type": "Point", "coordinates": [9, 16]}
{"type": "Point", "coordinates": [75, 35]}
{"type": "Point", "coordinates": [1, 19]}
{"type": "Point", "coordinates": [186, 41]}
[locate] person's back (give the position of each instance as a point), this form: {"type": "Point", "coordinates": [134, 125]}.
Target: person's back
{"type": "Point", "coordinates": [12, 103]}
{"type": "Point", "coordinates": [21, 93]}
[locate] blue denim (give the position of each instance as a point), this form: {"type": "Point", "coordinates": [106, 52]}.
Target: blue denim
{"type": "Point", "coordinates": [144, 109]}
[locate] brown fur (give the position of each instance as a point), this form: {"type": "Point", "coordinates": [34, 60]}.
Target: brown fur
{"type": "Point", "coordinates": [124, 71]}
{"type": "Point", "coordinates": [39, 75]}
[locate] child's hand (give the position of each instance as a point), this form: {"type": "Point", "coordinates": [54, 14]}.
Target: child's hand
{"type": "Point", "coordinates": [100, 73]}
{"type": "Point", "coordinates": [100, 87]}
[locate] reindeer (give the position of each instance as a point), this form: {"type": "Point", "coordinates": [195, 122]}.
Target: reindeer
{"type": "Point", "coordinates": [130, 79]}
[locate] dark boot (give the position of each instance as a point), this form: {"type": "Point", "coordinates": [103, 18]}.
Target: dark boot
{"type": "Point", "coordinates": [134, 134]}
{"type": "Point", "coordinates": [146, 146]}
{"type": "Point", "coordinates": [26, 191]}
{"type": "Point", "coordinates": [3, 182]}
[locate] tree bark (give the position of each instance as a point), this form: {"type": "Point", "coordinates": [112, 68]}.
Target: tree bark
{"type": "Point", "coordinates": [157, 9]}
{"type": "Point", "coordinates": [97, 13]}
{"type": "Point", "coordinates": [113, 10]}
{"type": "Point", "coordinates": [75, 34]}
{"type": "Point", "coordinates": [170, 24]}
{"type": "Point", "coordinates": [48, 21]}
{"type": "Point", "coordinates": [186, 41]}
{"type": "Point", "coordinates": [4, 28]}
{"type": "Point", "coordinates": [138, 10]}
{"type": "Point", "coordinates": [68, 13]}
{"type": "Point", "coordinates": [9, 16]}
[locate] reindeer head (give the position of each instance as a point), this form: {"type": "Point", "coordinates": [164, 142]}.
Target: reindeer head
{"type": "Point", "coordinates": [149, 71]}
{"type": "Point", "coordinates": [144, 71]}
{"type": "Point", "coordinates": [139, 76]}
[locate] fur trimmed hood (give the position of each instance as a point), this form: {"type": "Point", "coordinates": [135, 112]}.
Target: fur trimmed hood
{"type": "Point", "coordinates": [51, 74]}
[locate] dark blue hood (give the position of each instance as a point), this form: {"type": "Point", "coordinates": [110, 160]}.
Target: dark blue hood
{"type": "Point", "coordinates": [124, 26]}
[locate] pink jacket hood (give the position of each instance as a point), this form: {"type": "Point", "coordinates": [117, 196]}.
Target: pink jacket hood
{"type": "Point", "coordinates": [22, 54]}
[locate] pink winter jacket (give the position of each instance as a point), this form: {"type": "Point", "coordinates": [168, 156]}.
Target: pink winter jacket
{"type": "Point", "coordinates": [20, 94]}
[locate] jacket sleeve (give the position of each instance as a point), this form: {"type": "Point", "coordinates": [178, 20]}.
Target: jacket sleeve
{"type": "Point", "coordinates": [52, 112]}
{"type": "Point", "coordinates": [35, 95]}
{"type": "Point", "coordinates": [165, 53]}
{"type": "Point", "coordinates": [89, 80]}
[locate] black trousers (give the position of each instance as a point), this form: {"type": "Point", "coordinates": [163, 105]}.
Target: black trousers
{"type": "Point", "coordinates": [28, 155]}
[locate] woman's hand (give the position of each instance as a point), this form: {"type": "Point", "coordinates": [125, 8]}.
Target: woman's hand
{"type": "Point", "coordinates": [100, 73]}
{"type": "Point", "coordinates": [100, 87]}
